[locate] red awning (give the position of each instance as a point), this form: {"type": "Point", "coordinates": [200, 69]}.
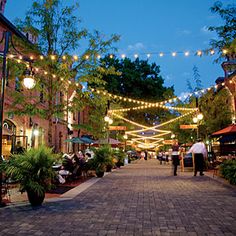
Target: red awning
{"type": "Point", "coordinates": [231, 129]}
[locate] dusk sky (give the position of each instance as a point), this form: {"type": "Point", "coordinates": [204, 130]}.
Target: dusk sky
{"type": "Point", "coordinates": [152, 26]}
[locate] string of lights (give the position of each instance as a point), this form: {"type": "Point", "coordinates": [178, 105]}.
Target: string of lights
{"type": "Point", "coordinates": [98, 56]}
{"type": "Point", "coordinates": [154, 104]}
{"type": "Point", "coordinates": [153, 128]}
{"type": "Point", "coordinates": [19, 59]}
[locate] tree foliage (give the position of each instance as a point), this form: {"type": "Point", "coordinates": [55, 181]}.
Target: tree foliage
{"type": "Point", "coordinates": [59, 33]}
{"type": "Point", "coordinates": [216, 109]}
{"type": "Point", "coordinates": [226, 32]}
{"type": "Point", "coordinates": [140, 80]}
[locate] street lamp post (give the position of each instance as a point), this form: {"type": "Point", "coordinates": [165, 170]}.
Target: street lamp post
{"type": "Point", "coordinates": [109, 121]}
{"type": "Point", "coordinates": [125, 137]}
{"type": "Point", "coordinates": [197, 120]}
{"type": "Point", "coordinates": [28, 83]}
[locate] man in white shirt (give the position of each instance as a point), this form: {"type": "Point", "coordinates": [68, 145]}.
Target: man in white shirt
{"type": "Point", "coordinates": [200, 154]}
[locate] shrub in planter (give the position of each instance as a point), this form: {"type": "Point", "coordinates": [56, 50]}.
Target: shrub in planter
{"type": "Point", "coordinates": [102, 159]}
{"type": "Point", "coordinates": [120, 157]}
{"type": "Point", "coordinates": [33, 170]}
{"type": "Point", "coordinates": [228, 170]}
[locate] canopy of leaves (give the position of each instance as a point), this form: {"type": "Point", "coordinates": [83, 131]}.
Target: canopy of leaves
{"type": "Point", "coordinates": [138, 80]}
{"type": "Point", "coordinates": [216, 108]}
{"type": "Point", "coordinates": [227, 32]}
{"type": "Point", "coordinates": [58, 30]}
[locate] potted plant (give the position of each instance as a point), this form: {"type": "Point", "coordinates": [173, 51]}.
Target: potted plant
{"type": "Point", "coordinates": [101, 160]}
{"type": "Point", "coordinates": [33, 170]}
{"type": "Point", "coordinates": [120, 157]}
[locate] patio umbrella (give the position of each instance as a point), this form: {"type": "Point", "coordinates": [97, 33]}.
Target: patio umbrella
{"type": "Point", "coordinates": [87, 140]}
{"type": "Point", "coordinates": [231, 129]}
{"type": "Point", "coordinates": [74, 140]}
{"type": "Point", "coordinates": [110, 141]}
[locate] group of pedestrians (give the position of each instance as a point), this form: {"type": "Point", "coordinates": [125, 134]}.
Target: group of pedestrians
{"type": "Point", "coordinates": [199, 154]}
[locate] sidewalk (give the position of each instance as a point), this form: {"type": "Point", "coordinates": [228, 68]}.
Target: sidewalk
{"type": "Point", "coordinates": [138, 199]}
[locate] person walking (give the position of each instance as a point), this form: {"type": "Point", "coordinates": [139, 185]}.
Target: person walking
{"type": "Point", "coordinates": [200, 154]}
{"type": "Point", "coordinates": [175, 156]}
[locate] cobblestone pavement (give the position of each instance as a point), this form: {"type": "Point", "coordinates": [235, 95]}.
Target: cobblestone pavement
{"type": "Point", "coordinates": [139, 199]}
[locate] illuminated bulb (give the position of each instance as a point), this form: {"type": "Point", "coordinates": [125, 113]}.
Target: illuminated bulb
{"type": "Point", "coordinates": [148, 55]}
{"type": "Point", "coordinates": [110, 121]}
{"type": "Point", "coordinates": [216, 86]}
{"type": "Point", "coordinates": [111, 56]}
{"type": "Point", "coordinates": [61, 79]}
{"type": "Point", "coordinates": [75, 57]}
{"type": "Point", "coordinates": [87, 57]}
{"type": "Point", "coordinates": [224, 51]}
{"type": "Point", "coordinates": [11, 56]}
{"type": "Point", "coordinates": [123, 56]}
{"type": "Point", "coordinates": [19, 61]}
{"type": "Point", "coordinates": [223, 84]}
{"type": "Point", "coordinates": [41, 57]}
{"type": "Point", "coordinates": [186, 54]}
{"type": "Point", "coordinates": [64, 57]}
{"type": "Point", "coordinates": [199, 53]}
{"type": "Point", "coordinates": [31, 57]}
{"type": "Point", "coordinates": [37, 69]}
{"type": "Point", "coordinates": [200, 116]}
{"type": "Point", "coordinates": [45, 72]}
{"type": "Point", "coordinates": [53, 57]}
{"type": "Point", "coordinates": [20, 57]}
{"type": "Point", "coordinates": [195, 119]}
{"type": "Point", "coordinates": [136, 55]}
{"type": "Point", "coordinates": [212, 52]}
{"type": "Point", "coordinates": [36, 132]}
{"type": "Point", "coordinates": [77, 84]}
{"type": "Point", "coordinates": [69, 82]}
{"type": "Point", "coordinates": [54, 76]}
{"type": "Point", "coordinates": [125, 136]}
{"type": "Point", "coordinates": [98, 56]}
{"type": "Point", "coordinates": [173, 54]}
{"type": "Point", "coordinates": [29, 82]}
{"type": "Point", "coordinates": [161, 54]}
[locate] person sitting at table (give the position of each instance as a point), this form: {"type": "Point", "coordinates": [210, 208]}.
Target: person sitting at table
{"type": "Point", "coordinates": [63, 174]}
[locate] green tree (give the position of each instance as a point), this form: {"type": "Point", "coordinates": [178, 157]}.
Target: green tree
{"type": "Point", "coordinates": [59, 33]}
{"type": "Point", "coordinates": [226, 32]}
{"type": "Point", "coordinates": [215, 106]}
{"type": "Point", "coordinates": [138, 80]}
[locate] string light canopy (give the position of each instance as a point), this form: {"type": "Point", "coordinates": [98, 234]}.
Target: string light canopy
{"type": "Point", "coordinates": [37, 70]}
{"type": "Point", "coordinates": [160, 54]}
{"type": "Point", "coordinates": [155, 104]}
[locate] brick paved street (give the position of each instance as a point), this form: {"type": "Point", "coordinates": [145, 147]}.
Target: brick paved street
{"type": "Point", "coordinates": [138, 199]}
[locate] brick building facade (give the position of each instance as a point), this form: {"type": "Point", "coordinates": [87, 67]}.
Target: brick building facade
{"type": "Point", "coordinates": [32, 131]}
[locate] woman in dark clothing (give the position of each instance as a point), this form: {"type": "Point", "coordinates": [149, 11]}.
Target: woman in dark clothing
{"type": "Point", "coordinates": [175, 156]}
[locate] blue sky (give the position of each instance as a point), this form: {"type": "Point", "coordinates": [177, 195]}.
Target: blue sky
{"type": "Point", "coordinates": [149, 26]}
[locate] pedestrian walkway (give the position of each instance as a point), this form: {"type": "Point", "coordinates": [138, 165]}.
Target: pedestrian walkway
{"type": "Point", "coordinates": [138, 199]}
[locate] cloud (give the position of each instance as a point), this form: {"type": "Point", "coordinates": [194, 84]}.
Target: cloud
{"type": "Point", "coordinates": [205, 30]}
{"type": "Point", "coordinates": [136, 47]}
{"type": "Point", "coordinates": [184, 32]}
{"type": "Point", "coordinates": [183, 96]}
{"type": "Point", "coordinates": [169, 78]}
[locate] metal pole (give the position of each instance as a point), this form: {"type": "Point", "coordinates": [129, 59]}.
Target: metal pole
{"type": "Point", "coordinates": [7, 36]}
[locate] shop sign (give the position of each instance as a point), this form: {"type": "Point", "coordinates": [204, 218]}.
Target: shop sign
{"type": "Point", "coordinates": [117, 127]}
{"type": "Point", "coordinates": [188, 126]}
